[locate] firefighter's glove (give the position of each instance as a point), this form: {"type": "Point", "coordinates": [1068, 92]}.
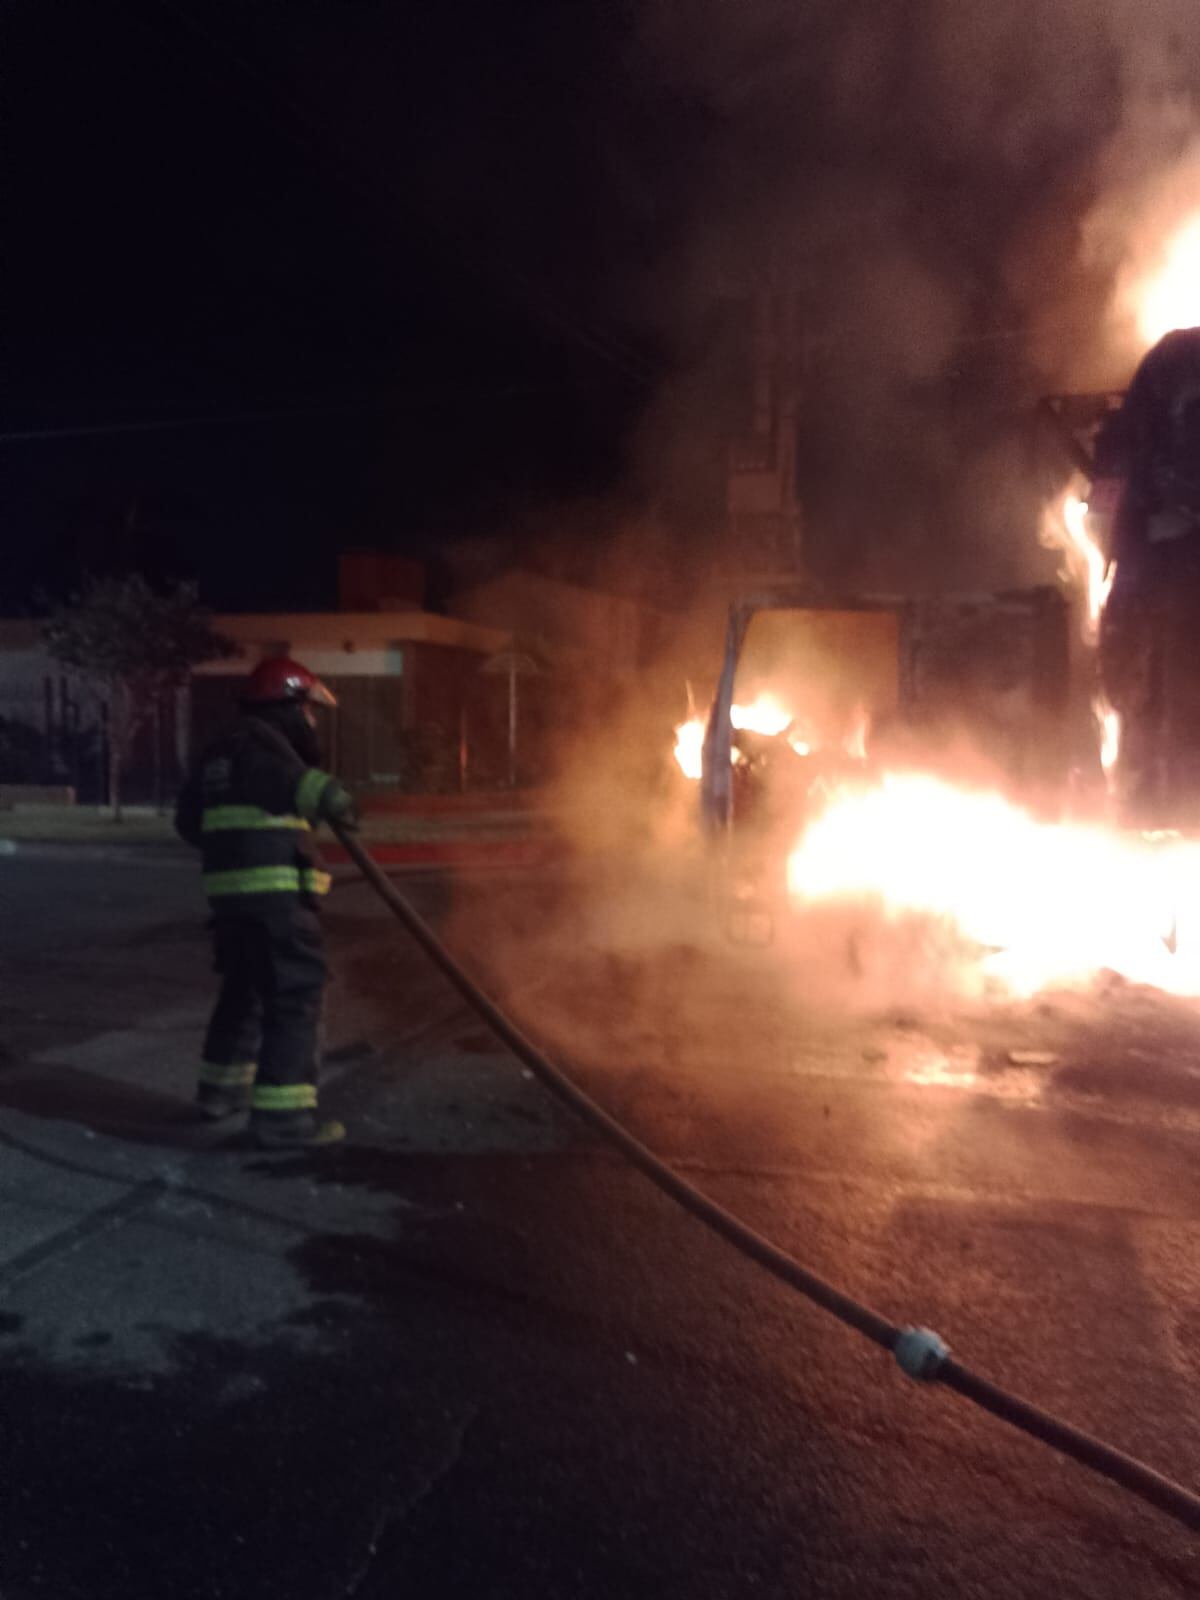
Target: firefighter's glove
{"type": "Point", "coordinates": [337, 806]}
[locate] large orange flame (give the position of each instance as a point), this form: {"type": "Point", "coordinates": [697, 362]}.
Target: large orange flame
{"type": "Point", "coordinates": [1045, 904]}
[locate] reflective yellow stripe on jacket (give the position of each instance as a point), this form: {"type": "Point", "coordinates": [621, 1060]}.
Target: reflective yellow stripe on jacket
{"type": "Point", "coordinates": [266, 880]}
{"type": "Point", "coordinates": [227, 819]}
{"type": "Point", "coordinates": [252, 880]}
{"type": "Point", "coordinates": [249, 851]}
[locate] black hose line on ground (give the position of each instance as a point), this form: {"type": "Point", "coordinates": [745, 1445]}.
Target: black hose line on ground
{"type": "Point", "coordinates": [921, 1353]}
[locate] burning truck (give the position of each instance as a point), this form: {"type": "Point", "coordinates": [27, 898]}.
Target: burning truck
{"type": "Point", "coordinates": [823, 698]}
{"type": "Point", "coordinates": [920, 757]}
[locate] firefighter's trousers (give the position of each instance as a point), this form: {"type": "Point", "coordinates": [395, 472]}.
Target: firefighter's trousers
{"type": "Point", "coordinates": [263, 1043]}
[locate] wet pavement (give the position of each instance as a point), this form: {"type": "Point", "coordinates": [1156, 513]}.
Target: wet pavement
{"type": "Point", "coordinates": [473, 1354]}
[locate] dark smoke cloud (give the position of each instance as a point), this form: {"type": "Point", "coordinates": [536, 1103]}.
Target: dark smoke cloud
{"type": "Point", "coordinates": [959, 191]}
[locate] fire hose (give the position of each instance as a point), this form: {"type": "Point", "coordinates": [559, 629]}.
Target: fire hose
{"type": "Point", "coordinates": [919, 1351]}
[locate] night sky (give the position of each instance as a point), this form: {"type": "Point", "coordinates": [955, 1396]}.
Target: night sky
{"type": "Point", "coordinates": [395, 222]}
{"type": "Point", "coordinates": [483, 256]}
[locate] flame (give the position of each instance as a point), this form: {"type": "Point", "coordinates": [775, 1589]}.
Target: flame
{"type": "Point", "coordinates": [1172, 298]}
{"type": "Point", "coordinates": [1108, 721]}
{"type": "Point", "coordinates": [762, 715]}
{"type": "Point", "coordinates": [1046, 904]}
{"type": "Point", "coordinates": [689, 747]}
{"type": "Point", "coordinates": [855, 742]}
{"type": "Point", "coordinates": [1064, 527]}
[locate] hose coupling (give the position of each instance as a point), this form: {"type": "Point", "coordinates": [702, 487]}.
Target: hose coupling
{"type": "Point", "coordinates": [920, 1352]}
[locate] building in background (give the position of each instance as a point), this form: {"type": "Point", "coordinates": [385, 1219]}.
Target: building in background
{"type": "Point", "coordinates": [414, 705]}
{"type": "Point", "coordinates": [423, 702]}
{"type": "Point", "coordinates": [50, 730]}
{"type": "Point", "coordinates": [415, 708]}
{"type": "Point", "coordinates": [582, 630]}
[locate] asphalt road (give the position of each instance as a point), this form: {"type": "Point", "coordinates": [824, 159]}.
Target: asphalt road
{"type": "Point", "coordinates": [474, 1355]}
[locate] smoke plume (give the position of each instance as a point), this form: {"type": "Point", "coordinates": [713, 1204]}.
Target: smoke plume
{"type": "Point", "coordinates": [963, 196]}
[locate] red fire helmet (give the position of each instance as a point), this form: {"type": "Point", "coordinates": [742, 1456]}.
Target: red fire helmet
{"type": "Point", "coordinates": [279, 679]}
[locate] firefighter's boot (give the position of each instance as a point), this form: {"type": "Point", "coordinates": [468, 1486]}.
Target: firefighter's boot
{"type": "Point", "coordinates": [298, 1133]}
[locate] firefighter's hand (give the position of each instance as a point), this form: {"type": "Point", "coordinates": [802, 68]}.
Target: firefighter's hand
{"type": "Point", "coordinates": [337, 806]}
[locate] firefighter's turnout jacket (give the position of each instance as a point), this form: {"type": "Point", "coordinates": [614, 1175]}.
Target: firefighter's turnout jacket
{"type": "Point", "coordinates": [251, 813]}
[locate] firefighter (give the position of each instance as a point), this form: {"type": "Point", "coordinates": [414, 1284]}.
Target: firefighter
{"type": "Point", "coordinates": [1148, 485]}
{"type": "Point", "coordinates": [250, 807]}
